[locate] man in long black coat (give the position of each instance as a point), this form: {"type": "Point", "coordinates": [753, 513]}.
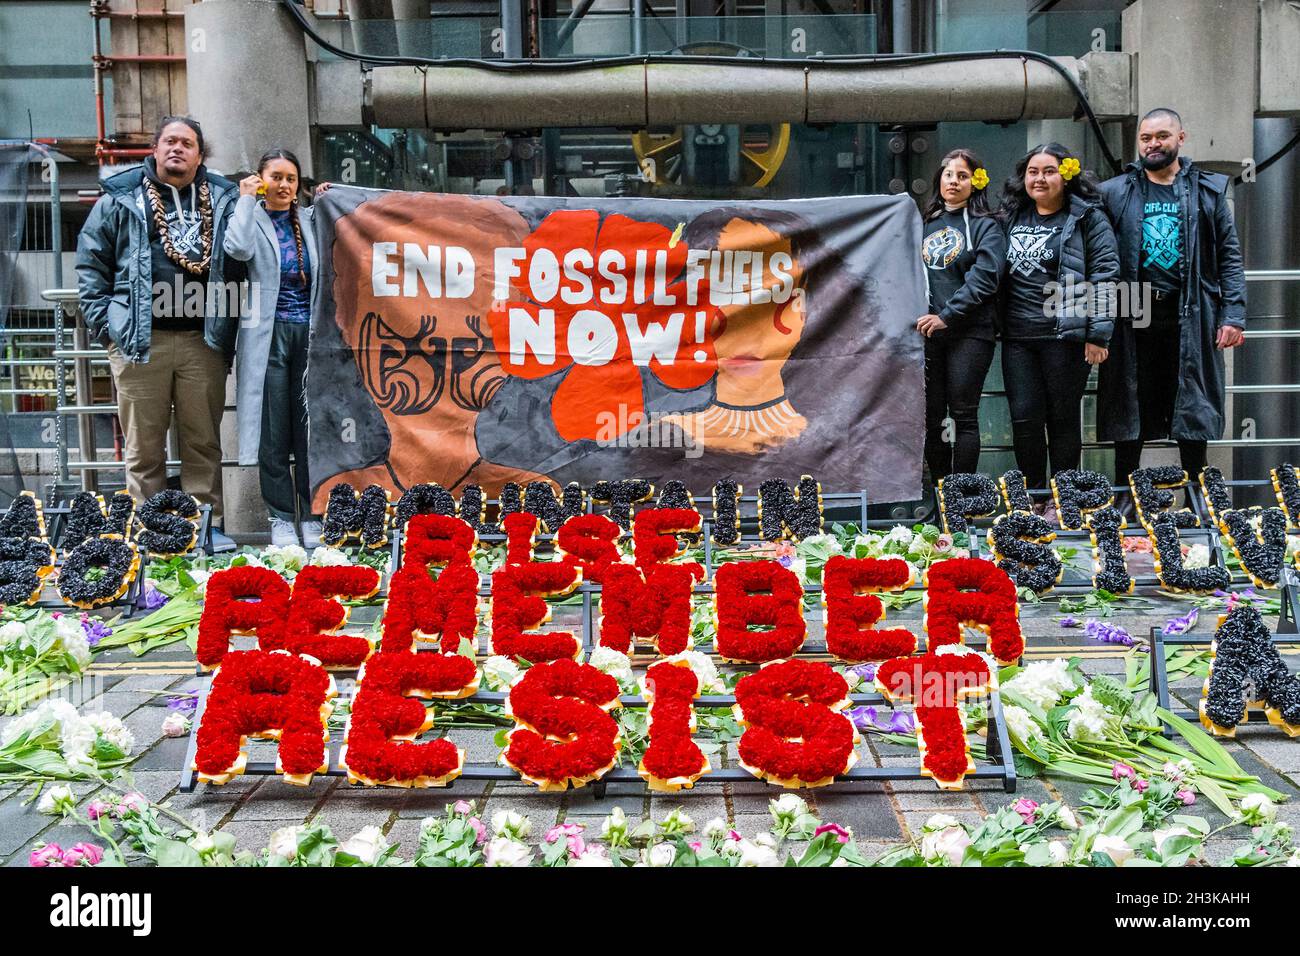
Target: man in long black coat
{"type": "Point", "coordinates": [1164, 375]}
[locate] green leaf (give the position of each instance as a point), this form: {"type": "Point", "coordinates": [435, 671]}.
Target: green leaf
{"type": "Point", "coordinates": [175, 853]}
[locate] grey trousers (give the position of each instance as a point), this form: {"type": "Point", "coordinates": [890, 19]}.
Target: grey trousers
{"type": "Point", "coordinates": [284, 424]}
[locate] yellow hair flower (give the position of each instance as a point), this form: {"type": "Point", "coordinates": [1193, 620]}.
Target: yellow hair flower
{"type": "Point", "coordinates": [1069, 168]}
{"type": "Point", "coordinates": [980, 178]}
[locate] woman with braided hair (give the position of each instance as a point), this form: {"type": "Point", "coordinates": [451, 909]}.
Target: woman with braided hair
{"type": "Point", "coordinates": [274, 235]}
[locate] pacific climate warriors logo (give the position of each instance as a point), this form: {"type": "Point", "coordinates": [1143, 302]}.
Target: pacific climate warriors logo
{"type": "Point", "coordinates": [941, 248]}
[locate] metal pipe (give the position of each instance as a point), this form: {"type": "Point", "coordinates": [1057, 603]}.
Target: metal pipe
{"type": "Point", "coordinates": [568, 26]}
{"type": "Point", "coordinates": [1003, 90]}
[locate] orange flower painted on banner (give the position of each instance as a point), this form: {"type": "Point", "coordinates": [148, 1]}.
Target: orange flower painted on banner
{"type": "Point", "coordinates": [604, 300]}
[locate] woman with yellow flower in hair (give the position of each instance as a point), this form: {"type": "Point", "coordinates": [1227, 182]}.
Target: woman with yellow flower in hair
{"type": "Point", "coordinates": [962, 249]}
{"type": "Point", "coordinates": [1056, 313]}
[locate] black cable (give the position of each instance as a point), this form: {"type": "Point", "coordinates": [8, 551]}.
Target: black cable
{"type": "Point", "coordinates": [848, 60]}
{"type": "Point", "coordinates": [1290, 145]}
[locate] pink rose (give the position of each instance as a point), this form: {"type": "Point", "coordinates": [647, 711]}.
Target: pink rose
{"type": "Point", "coordinates": [1186, 796]}
{"type": "Point", "coordinates": [82, 854]}
{"type": "Point", "coordinates": [571, 833]}
{"type": "Point", "coordinates": [1122, 771]}
{"type": "Point", "coordinates": [98, 808]}
{"type": "Point", "coordinates": [49, 854]}
{"type": "Point", "coordinates": [480, 831]}
{"type": "Point", "coordinates": [462, 807]}
{"type": "Point", "coordinates": [1026, 808]}
{"type": "Point", "coordinates": [842, 835]}
{"type": "Point", "coordinates": [1138, 784]}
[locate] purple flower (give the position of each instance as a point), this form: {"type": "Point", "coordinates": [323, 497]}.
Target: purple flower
{"type": "Point", "coordinates": [94, 629]}
{"type": "Point", "coordinates": [1122, 771]}
{"type": "Point", "coordinates": [1181, 625]}
{"type": "Point", "coordinates": [1070, 622]}
{"type": "Point", "coordinates": [1187, 797]}
{"type": "Point", "coordinates": [1108, 633]}
{"type": "Point", "coordinates": [1138, 784]}
{"type": "Point", "coordinates": [868, 718]}
{"type": "Point", "coordinates": [865, 672]}
{"type": "Point", "coordinates": [187, 701]}
{"type": "Point", "coordinates": [841, 834]}
{"type": "Point", "coordinates": [154, 598]}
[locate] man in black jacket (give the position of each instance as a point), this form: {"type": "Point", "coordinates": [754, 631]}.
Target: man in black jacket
{"type": "Point", "coordinates": [156, 291]}
{"type": "Point", "coordinates": [1176, 238]}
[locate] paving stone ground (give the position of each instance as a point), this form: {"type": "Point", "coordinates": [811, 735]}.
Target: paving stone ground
{"type": "Point", "coordinates": [878, 813]}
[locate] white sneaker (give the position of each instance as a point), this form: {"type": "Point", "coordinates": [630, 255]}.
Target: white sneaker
{"type": "Point", "coordinates": [311, 529]}
{"type": "Point", "coordinates": [283, 532]}
{"type": "Point", "coordinates": [220, 541]}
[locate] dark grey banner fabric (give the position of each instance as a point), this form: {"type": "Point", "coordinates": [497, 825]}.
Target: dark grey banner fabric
{"type": "Point", "coordinates": [479, 340]}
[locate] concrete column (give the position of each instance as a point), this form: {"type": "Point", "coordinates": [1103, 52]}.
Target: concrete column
{"type": "Point", "coordinates": [1199, 57]}
{"type": "Point", "coordinates": [246, 73]}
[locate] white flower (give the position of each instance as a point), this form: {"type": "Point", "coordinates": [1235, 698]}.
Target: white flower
{"type": "Point", "coordinates": [510, 825]}
{"type": "Point", "coordinates": [77, 739]}
{"type": "Point", "coordinates": [1162, 835]}
{"type": "Point", "coordinates": [661, 854]}
{"type": "Point", "coordinates": [703, 667]}
{"type": "Point", "coordinates": [614, 663]}
{"type": "Point", "coordinates": [753, 853]}
{"type": "Point", "coordinates": [829, 541]}
{"type": "Point", "coordinates": [939, 821]}
{"type": "Point", "coordinates": [677, 821]}
{"type": "Point", "coordinates": [200, 578]}
{"type": "Point", "coordinates": [899, 534]}
{"type": "Point", "coordinates": [1197, 556]}
{"type": "Point", "coordinates": [506, 852]}
{"type": "Point", "coordinates": [71, 639]}
{"type": "Point", "coordinates": [1114, 847]}
{"type": "Point", "coordinates": [1293, 859]}
{"type": "Point", "coordinates": [113, 730]}
{"type": "Point", "coordinates": [367, 845]}
{"type": "Point", "coordinates": [284, 842]}
{"type": "Point", "coordinates": [1042, 683]}
{"type": "Point", "coordinates": [1087, 718]}
{"type": "Point", "coordinates": [1292, 547]}
{"type": "Point", "coordinates": [202, 843]}
{"type": "Point", "coordinates": [1257, 809]}
{"type": "Point", "coordinates": [1066, 819]}
{"type": "Point", "coordinates": [594, 856]}
{"type": "Point", "coordinates": [1020, 724]}
{"type": "Point", "coordinates": [327, 557]}
{"type": "Point", "coordinates": [175, 724]}
{"type": "Point", "coordinates": [716, 828]}
{"type": "Point", "coordinates": [57, 711]}
{"type": "Point", "coordinates": [613, 829]}
{"type": "Point", "coordinates": [500, 673]}
{"type": "Point", "coordinates": [12, 633]}
{"type": "Point", "coordinates": [1058, 852]}
{"type": "Point", "coordinates": [946, 846]}
{"type": "Point", "coordinates": [291, 556]}
{"type": "Point", "coordinates": [787, 807]}
{"type": "Point", "coordinates": [57, 801]}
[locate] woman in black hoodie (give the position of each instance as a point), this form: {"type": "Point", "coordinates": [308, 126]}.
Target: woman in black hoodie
{"type": "Point", "coordinates": [963, 249]}
{"type": "Point", "coordinates": [1056, 313]}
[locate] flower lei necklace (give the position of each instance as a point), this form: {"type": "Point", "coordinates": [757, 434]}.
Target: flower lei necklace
{"type": "Point", "coordinates": [160, 222]}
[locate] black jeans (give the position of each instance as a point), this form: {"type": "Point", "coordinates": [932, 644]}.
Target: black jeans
{"type": "Point", "coordinates": [1045, 379]}
{"type": "Point", "coordinates": [284, 424]}
{"type": "Point", "coordinates": [1157, 349]}
{"type": "Point", "coordinates": [955, 368]}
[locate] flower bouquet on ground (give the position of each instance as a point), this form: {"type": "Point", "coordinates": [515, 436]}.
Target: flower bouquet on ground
{"type": "Point", "coordinates": [1064, 723]}
{"type": "Point", "coordinates": [41, 651]}
{"type": "Point", "coordinates": [56, 742]}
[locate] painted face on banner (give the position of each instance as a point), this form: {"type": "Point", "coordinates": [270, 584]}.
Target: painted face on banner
{"type": "Point", "coordinates": [754, 340]}
{"type": "Point", "coordinates": [415, 315]}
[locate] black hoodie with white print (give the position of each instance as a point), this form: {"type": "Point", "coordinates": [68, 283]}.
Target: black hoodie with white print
{"type": "Point", "coordinates": [184, 224]}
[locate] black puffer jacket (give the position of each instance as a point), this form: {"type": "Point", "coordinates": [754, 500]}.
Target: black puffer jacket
{"type": "Point", "coordinates": [1086, 274]}
{"type": "Point", "coordinates": [1214, 295]}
